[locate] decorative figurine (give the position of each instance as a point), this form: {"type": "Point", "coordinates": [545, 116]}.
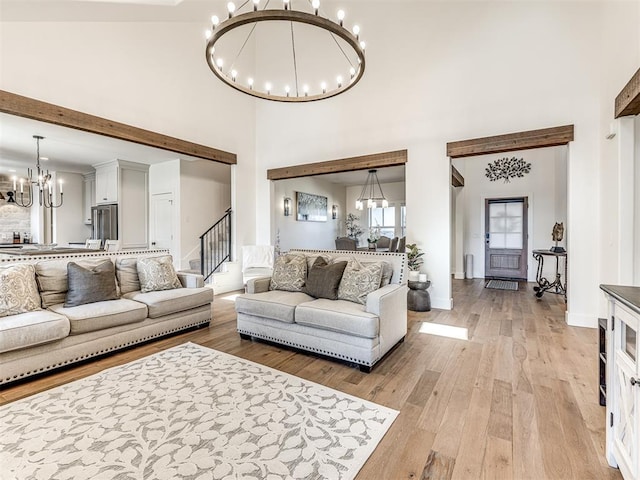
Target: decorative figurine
{"type": "Point", "coordinates": [556, 236]}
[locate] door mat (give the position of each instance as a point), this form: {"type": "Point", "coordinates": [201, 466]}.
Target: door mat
{"type": "Point", "coordinates": [502, 285]}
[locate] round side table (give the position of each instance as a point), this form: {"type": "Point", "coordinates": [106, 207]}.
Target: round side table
{"type": "Point", "coordinates": [418, 298]}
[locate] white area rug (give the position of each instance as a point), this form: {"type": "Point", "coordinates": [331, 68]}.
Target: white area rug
{"type": "Point", "coordinates": [502, 285]}
{"type": "Point", "coordinates": [190, 412]}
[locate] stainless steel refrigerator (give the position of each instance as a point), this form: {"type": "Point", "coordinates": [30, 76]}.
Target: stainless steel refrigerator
{"type": "Point", "coordinates": [104, 222]}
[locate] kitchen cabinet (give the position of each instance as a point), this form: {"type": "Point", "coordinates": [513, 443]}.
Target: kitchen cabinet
{"type": "Point", "coordinates": [623, 380]}
{"type": "Point", "coordinates": [88, 196]}
{"type": "Point", "coordinates": [127, 185]}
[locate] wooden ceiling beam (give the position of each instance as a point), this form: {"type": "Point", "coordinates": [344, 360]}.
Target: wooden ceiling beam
{"type": "Point", "coordinates": [628, 100]}
{"type": "Point", "coordinates": [457, 180]}
{"type": "Point", "coordinates": [14, 104]}
{"type": "Point", "coordinates": [546, 137]}
{"type": "Point", "coordinates": [364, 162]}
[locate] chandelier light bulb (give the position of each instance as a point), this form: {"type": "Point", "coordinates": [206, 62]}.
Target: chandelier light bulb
{"type": "Point", "coordinates": [220, 63]}
{"type": "Point", "coordinates": [358, 205]}
{"type": "Point", "coordinates": [363, 45]}
{"type": "Point", "coordinates": [323, 86]}
{"type": "Point", "coordinates": [255, 4]}
{"type": "Point", "coordinates": [232, 8]}
{"type": "Point", "coordinates": [287, 89]}
{"type": "Point", "coordinates": [286, 4]}
{"type": "Point", "coordinates": [316, 6]}
{"type": "Point", "coordinates": [207, 34]}
{"type": "Point", "coordinates": [250, 82]}
{"type": "Point", "coordinates": [340, 16]}
{"type": "Point", "coordinates": [234, 74]}
{"type": "Point", "coordinates": [385, 203]}
{"type": "Point", "coordinates": [352, 72]}
{"type": "Point", "coordinates": [215, 20]}
{"type": "Point", "coordinates": [371, 203]}
{"type": "Point", "coordinates": [339, 80]}
{"type": "Point", "coordinates": [305, 89]}
{"type": "Point", "coordinates": [267, 87]}
{"type": "Point", "coordinates": [356, 30]}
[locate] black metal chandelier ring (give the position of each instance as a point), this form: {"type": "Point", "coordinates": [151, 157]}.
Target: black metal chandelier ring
{"type": "Point", "coordinates": [256, 17]}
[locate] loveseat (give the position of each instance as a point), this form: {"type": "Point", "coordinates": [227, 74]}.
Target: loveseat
{"type": "Point", "coordinates": [49, 334]}
{"type": "Point", "coordinates": [359, 327]}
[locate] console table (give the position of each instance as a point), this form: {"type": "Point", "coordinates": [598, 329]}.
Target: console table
{"type": "Point", "coordinates": [544, 285]}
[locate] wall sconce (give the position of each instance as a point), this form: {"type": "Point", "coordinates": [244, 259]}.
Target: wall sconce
{"type": "Point", "coordinates": [287, 206]}
{"type": "Point", "coordinates": [334, 212]}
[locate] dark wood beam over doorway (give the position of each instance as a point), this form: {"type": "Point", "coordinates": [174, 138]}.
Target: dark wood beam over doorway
{"type": "Point", "coordinates": [364, 162]}
{"type": "Point", "coordinates": [33, 109]}
{"type": "Point", "coordinates": [628, 100]}
{"type": "Point", "coordinates": [546, 137]}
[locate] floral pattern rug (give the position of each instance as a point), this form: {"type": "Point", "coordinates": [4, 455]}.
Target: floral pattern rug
{"type": "Point", "coordinates": [190, 412]}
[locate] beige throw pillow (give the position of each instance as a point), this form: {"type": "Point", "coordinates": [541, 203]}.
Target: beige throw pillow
{"type": "Point", "coordinates": [359, 280]}
{"type": "Point", "coordinates": [127, 274]}
{"type": "Point", "coordinates": [289, 273]}
{"type": "Point", "coordinates": [18, 290]}
{"type": "Point", "coordinates": [157, 273]}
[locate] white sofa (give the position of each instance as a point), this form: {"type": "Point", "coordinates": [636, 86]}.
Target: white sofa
{"type": "Point", "coordinates": [42, 340]}
{"type": "Point", "coordinates": [356, 333]}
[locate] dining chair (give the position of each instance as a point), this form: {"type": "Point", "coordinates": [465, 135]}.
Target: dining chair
{"type": "Point", "coordinates": [346, 243]}
{"type": "Point", "coordinates": [93, 244]}
{"type": "Point", "coordinates": [393, 245]}
{"type": "Point", "coordinates": [402, 243]}
{"type": "Point", "coordinates": [383, 242]}
{"type": "Point", "coordinates": [111, 245]}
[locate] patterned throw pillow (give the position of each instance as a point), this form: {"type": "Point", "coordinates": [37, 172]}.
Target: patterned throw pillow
{"type": "Point", "coordinates": [323, 279]}
{"type": "Point", "coordinates": [359, 280]}
{"type": "Point", "coordinates": [18, 290]}
{"type": "Point", "coordinates": [289, 273]}
{"type": "Point", "coordinates": [90, 285]}
{"type": "Point", "coordinates": [157, 273]}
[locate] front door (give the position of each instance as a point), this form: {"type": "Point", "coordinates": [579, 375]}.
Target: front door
{"type": "Point", "coordinates": [506, 238]}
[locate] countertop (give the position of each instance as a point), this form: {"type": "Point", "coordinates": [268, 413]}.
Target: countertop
{"type": "Point", "coordinates": [627, 295]}
{"type": "Point", "coordinates": [27, 252]}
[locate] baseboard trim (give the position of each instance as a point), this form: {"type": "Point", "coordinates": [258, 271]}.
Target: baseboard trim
{"type": "Point", "coordinates": [581, 320]}
{"type": "Point", "coordinates": [442, 303]}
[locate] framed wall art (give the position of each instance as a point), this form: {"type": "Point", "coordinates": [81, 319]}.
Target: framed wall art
{"type": "Point", "coordinates": [311, 208]}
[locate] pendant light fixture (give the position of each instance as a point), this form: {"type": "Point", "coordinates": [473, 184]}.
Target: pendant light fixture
{"type": "Point", "coordinates": [42, 186]}
{"type": "Point", "coordinates": [372, 193]}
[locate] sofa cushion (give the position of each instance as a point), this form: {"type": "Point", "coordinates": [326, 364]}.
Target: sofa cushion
{"type": "Point", "coordinates": [127, 275]}
{"type": "Point", "coordinates": [89, 285]}
{"type": "Point", "coordinates": [157, 273]}
{"type": "Point", "coordinates": [359, 279]}
{"type": "Point", "coordinates": [323, 279]}
{"type": "Point", "coordinates": [18, 290]}
{"type": "Point", "coordinates": [100, 315]}
{"type": "Point", "coordinates": [51, 276]}
{"type": "Point", "coordinates": [338, 316]}
{"type": "Point", "coordinates": [289, 273]}
{"type": "Point", "coordinates": [274, 304]}
{"type": "Point", "coordinates": [165, 302]}
{"type": "Point", "coordinates": [33, 328]}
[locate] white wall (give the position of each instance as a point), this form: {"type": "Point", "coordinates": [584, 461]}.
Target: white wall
{"type": "Point", "coordinates": [544, 186]}
{"type": "Point", "coordinates": [495, 73]}
{"type": "Point", "coordinates": [298, 234]}
{"type": "Point", "coordinates": [68, 220]}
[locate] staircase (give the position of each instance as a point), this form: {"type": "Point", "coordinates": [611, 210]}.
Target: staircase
{"type": "Point", "coordinates": [215, 248]}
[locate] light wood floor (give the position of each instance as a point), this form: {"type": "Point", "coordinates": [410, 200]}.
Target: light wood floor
{"type": "Point", "coordinates": [517, 400]}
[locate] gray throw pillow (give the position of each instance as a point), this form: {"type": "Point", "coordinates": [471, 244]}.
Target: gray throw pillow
{"type": "Point", "coordinates": [157, 273]}
{"type": "Point", "coordinates": [289, 273]}
{"type": "Point", "coordinates": [89, 285]}
{"type": "Point", "coordinates": [323, 279]}
{"type": "Point", "coordinates": [359, 280]}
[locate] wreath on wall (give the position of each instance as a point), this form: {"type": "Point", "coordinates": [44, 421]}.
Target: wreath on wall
{"type": "Point", "coordinates": [507, 168]}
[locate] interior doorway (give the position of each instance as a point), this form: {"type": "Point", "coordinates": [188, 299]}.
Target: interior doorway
{"type": "Point", "coordinates": [506, 238]}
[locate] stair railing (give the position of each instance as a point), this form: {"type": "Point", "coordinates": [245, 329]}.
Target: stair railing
{"type": "Point", "coordinates": [215, 246]}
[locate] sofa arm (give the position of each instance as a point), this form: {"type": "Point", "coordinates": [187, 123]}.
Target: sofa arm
{"type": "Point", "coordinates": [190, 280]}
{"type": "Point", "coordinates": [258, 285]}
{"type": "Point", "coordinates": [390, 304]}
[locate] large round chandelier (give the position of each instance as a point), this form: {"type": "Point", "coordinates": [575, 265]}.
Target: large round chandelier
{"type": "Point", "coordinates": [231, 39]}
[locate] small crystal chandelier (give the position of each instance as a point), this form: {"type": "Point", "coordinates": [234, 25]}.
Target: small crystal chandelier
{"type": "Point", "coordinates": [371, 193]}
{"type": "Point", "coordinates": [42, 184]}
{"type": "Point", "coordinates": [297, 87]}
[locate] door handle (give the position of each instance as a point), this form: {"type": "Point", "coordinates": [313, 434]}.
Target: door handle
{"type": "Point", "coordinates": [634, 381]}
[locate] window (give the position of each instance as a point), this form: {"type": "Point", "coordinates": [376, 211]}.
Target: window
{"type": "Point", "coordinates": [385, 218]}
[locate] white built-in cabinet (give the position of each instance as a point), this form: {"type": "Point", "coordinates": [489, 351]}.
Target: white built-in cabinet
{"type": "Point", "coordinates": [127, 185]}
{"type": "Point", "coordinates": [88, 196]}
{"type": "Point", "coordinates": [623, 380]}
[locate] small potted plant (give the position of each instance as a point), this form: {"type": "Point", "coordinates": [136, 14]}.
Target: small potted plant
{"type": "Point", "coordinates": [374, 236]}
{"type": "Point", "coordinates": [352, 225]}
{"type": "Point", "coordinates": [414, 261]}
